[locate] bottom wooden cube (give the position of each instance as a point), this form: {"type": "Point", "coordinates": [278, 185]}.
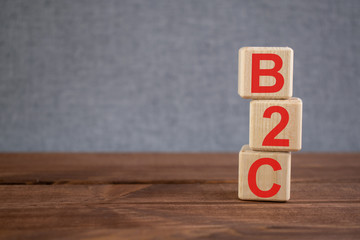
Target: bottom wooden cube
{"type": "Point", "coordinates": [264, 176]}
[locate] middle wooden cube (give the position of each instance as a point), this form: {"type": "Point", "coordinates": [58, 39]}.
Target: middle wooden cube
{"type": "Point", "coordinates": [275, 125]}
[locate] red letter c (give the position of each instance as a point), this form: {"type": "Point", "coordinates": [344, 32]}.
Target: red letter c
{"type": "Point", "coordinates": [252, 177]}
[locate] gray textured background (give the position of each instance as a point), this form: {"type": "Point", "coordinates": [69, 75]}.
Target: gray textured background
{"type": "Point", "coordinates": [162, 75]}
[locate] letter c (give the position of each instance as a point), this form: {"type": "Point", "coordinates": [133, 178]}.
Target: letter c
{"type": "Point", "coordinates": [252, 177]}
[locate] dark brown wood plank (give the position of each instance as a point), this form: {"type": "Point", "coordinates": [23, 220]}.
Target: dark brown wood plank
{"type": "Point", "coordinates": [80, 168]}
{"type": "Point", "coordinates": [195, 211]}
{"type": "Point", "coordinates": [23, 196]}
{"type": "Point", "coordinates": [78, 204]}
{"type": "Point", "coordinates": [230, 220]}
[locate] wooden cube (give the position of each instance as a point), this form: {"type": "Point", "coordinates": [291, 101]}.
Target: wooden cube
{"type": "Point", "coordinates": [264, 176]}
{"type": "Point", "coordinates": [275, 125]}
{"type": "Point", "coordinates": [266, 72]}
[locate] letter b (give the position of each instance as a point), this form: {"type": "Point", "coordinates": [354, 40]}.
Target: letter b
{"type": "Point", "coordinates": [257, 72]}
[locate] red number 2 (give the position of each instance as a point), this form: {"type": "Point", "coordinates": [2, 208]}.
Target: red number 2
{"type": "Point", "coordinates": [269, 139]}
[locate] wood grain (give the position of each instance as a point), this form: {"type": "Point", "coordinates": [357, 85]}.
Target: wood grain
{"type": "Point", "coordinates": [102, 168]}
{"type": "Point", "coordinates": [172, 196]}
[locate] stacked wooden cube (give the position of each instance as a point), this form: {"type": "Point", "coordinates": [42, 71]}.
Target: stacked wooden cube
{"type": "Point", "coordinates": [266, 76]}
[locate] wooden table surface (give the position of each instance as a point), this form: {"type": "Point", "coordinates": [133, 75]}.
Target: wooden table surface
{"type": "Point", "coordinates": [172, 196]}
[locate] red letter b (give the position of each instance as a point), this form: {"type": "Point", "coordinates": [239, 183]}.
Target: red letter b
{"type": "Point", "coordinates": [257, 72]}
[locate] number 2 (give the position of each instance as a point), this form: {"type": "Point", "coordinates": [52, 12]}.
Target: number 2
{"type": "Point", "coordinates": [269, 139]}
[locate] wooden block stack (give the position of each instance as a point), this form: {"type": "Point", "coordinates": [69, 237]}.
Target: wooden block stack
{"type": "Point", "coordinates": [266, 75]}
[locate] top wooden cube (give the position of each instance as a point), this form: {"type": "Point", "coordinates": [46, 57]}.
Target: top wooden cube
{"type": "Point", "coordinates": [266, 72]}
